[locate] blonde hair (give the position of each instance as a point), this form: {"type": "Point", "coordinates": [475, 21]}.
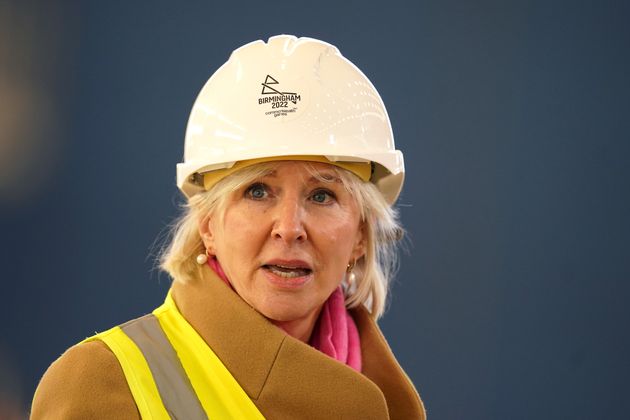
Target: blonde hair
{"type": "Point", "coordinates": [372, 272]}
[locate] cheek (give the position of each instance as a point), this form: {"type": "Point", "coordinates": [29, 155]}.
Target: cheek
{"type": "Point", "coordinates": [242, 230]}
{"type": "Point", "coordinates": [337, 234]}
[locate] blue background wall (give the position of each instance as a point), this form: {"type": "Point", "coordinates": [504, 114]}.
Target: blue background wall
{"type": "Point", "coordinates": [514, 119]}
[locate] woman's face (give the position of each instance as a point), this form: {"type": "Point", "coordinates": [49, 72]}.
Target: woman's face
{"type": "Point", "coordinates": [286, 239]}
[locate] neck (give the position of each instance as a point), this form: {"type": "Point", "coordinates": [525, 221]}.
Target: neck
{"type": "Point", "coordinates": [301, 328]}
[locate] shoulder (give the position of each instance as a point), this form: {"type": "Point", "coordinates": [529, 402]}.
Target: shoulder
{"type": "Point", "coordinates": [85, 382]}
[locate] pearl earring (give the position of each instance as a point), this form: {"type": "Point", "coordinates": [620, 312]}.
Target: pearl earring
{"type": "Point", "coordinates": [350, 276]}
{"type": "Point", "coordinates": [202, 258]}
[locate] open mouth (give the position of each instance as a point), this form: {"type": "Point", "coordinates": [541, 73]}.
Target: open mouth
{"type": "Point", "coordinates": [287, 272]}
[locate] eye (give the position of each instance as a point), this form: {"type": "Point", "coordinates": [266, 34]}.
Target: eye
{"type": "Point", "coordinates": [322, 196]}
{"type": "Point", "coordinates": [257, 191]}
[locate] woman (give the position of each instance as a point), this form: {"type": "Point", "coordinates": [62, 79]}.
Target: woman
{"type": "Point", "coordinates": [280, 262]}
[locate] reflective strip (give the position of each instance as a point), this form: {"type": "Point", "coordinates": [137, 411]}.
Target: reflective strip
{"type": "Point", "coordinates": [220, 394]}
{"type": "Point", "coordinates": [172, 372]}
{"type": "Point", "coordinates": [177, 393]}
{"type": "Point", "coordinates": [137, 373]}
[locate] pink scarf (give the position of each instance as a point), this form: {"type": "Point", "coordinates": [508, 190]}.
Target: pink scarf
{"type": "Point", "coordinates": [335, 333]}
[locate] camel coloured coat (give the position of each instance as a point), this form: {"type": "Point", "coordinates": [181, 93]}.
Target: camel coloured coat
{"type": "Point", "coordinates": [284, 377]}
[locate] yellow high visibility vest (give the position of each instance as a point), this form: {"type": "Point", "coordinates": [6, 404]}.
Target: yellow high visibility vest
{"type": "Point", "coordinates": [172, 372]}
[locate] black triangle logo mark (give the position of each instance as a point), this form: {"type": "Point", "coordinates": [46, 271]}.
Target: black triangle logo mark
{"type": "Point", "coordinates": [267, 82]}
{"type": "Point", "coordinates": [268, 90]}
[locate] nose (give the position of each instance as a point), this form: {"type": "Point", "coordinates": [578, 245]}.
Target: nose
{"type": "Point", "coordinates": [288, 224]}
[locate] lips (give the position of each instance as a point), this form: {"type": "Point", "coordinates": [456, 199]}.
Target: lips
{"type": "Point", "coordinates": [293, 269]}
{"type": "Point", "coordinates": [287, 272]}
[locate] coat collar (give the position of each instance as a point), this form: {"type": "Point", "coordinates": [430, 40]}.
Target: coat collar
{"type": "Point", "coordinates": [277, 371]}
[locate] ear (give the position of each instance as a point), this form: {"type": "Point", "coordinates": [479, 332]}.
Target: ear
{"type": "Point", "coordinates": [206, 233]}
{"type": "Point", "coordinates": [360, 244]}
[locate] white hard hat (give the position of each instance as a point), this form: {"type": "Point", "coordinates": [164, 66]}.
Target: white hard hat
{"type": "Point", "coordinates": [290, 97]}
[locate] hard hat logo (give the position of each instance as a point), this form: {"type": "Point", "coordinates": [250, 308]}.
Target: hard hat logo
{"type": "Point", "coordinates": [268, 90]}
{"type": "Point", "coordinates": [279, 100]}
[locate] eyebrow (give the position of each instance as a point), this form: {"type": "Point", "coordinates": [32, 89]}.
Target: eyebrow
{"type": "Point", "coordinates": [328, 177]}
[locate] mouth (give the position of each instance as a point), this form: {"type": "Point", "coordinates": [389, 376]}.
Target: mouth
{"type": "Point", "coordinates": [288, 274]}
{"type": "Point", "coordinates": [288, 271]}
